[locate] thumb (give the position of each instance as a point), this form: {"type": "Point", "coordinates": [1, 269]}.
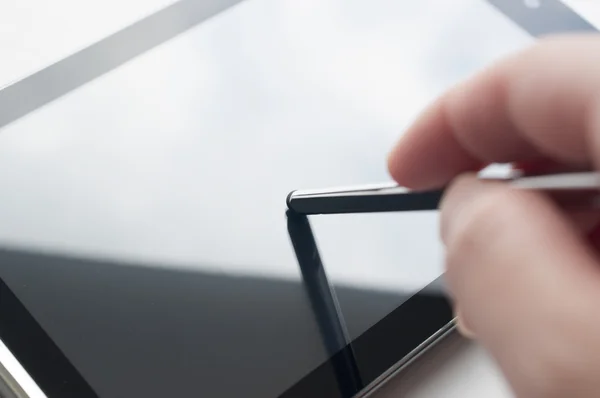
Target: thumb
{"type": "Point", "coordinates": [527, 285]}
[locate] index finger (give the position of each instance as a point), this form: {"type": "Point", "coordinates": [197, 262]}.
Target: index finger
{"type": "Point", "coordinates": [541, 103]}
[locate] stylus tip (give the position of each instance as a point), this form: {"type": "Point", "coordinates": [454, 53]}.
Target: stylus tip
{"type": "Point", "coordinates": [288, 200]}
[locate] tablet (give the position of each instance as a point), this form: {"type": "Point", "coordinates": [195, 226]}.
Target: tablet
{"type": "Point", "coordinates": [144, 246]}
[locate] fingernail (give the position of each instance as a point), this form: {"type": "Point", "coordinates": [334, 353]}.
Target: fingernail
{"type": "Point", "coordinates": [462, 326]}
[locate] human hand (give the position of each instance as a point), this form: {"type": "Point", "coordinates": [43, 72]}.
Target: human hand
{"type": "Point", "coordinates": [523, 274]}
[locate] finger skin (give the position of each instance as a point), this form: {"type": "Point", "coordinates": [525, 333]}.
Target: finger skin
{"type": "Point", "coordinates": [543, 102]}
{"type": "Point", "coordinates": [524, 281]}
{"type": "Point", "coordinates": [527, 286]}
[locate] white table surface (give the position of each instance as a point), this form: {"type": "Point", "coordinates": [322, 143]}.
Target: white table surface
{"type": "Point", "coordinates": [456, 368]}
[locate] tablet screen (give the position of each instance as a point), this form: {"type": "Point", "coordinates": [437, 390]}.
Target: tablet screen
{"type": "Point", "coordinates": [143, 220]}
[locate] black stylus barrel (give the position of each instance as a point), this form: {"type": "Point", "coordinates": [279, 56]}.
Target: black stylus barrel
{"type": "Point", "coordinates": [572, 190]}
{"type": "Point", "coordinates": [343, 203]}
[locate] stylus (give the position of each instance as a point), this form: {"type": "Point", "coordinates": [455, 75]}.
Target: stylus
{"type": "Point", "coordinates": [572, 190]}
